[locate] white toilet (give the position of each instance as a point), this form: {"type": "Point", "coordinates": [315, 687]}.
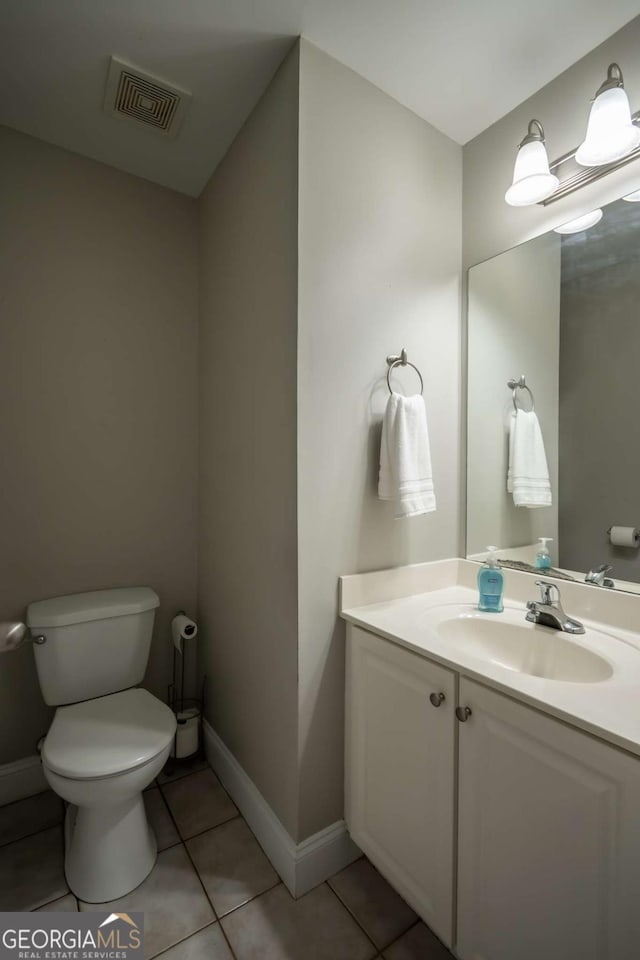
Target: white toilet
{"type": "Point", "coordinates": [108, 739]}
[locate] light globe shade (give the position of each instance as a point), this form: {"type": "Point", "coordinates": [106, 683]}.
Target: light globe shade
{"type": "Point", "coordinates": [610, 133]}
{"type": "Point", "coordinates": [580, 223]}
{"type": "Point", "coordinates": [532, 180]}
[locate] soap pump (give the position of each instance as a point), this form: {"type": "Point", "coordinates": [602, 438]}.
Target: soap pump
{"type": "Point", "coordinates": [543, 558]}
{"type": "Point", "coordinates": [490, 584]}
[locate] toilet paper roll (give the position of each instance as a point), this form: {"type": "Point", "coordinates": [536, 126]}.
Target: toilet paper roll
{"type": "Point", "coordinates": [624, 537]}
{"type": "Point", "coordinates": [182, 628]}
{"type": "Point", "coordinates": [186, 740]}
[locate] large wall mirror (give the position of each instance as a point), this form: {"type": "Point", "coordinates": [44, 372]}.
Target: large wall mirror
{"type": "Point", "coordinates": [564, 311]}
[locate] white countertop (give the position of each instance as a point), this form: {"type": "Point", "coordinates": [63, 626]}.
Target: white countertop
{"type": "Point", "coordinates": [609, 709]}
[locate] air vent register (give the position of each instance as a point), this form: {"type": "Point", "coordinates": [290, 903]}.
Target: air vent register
{"type": "Point", "coordinates": [138, 96]}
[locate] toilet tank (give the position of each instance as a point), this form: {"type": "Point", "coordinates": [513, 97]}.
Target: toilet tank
{"type": "Point", "coordinates": [96, 643]}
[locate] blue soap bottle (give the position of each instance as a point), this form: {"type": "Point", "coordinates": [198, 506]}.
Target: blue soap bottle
{"type": "Point", "coordinates": [490, 584]}
{"type": "Point", "coordinates": [543, 558]}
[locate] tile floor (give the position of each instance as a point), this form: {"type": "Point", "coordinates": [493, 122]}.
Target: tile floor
{"type": "Point", "coordinates": [212, 894]}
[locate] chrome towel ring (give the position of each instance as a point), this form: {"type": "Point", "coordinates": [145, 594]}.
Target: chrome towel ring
{"type": "Point", "coordinates": [395, 361]}
{"type": "Point", "coordinates": [520, 384]}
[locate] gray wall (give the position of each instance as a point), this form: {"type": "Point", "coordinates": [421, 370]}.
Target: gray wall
{"type": "Point", "coordinates": [514, 328]}
{"type": "Point", "coordinates": [324, 248]}
{"type": "Point", "coordinates": [97, 398]}
{"type": "Point", "coordinates": [247, 522]}
{"type": "Point", "coordinates": [599, 354]}
{"type": "Point", "coordinates": [490, 225]}
{"type": "Point", "coordinates": [380, 247]}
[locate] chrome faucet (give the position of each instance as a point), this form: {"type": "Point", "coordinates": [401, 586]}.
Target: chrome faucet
{"type": "Point", "coordinates": [549, 613]}
{"type": "Point", "coordinates": [598, 577]}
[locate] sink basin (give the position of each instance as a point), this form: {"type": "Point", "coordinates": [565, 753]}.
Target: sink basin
{"type": "Point", "coordinates": [522, 647]}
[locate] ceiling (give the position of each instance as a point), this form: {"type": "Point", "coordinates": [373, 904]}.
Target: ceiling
{"type": "Point", "coordinates": [459, 64]}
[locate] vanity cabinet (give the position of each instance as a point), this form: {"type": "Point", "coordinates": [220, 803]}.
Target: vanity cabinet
{"type": "Point", "coordinates": [400, 799]}
{"type": "Point", "coordinates": [548, 837]}
{"type": "Point", "coordinates": [536, 823]}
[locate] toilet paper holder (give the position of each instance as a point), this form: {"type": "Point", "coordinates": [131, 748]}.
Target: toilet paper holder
{"type": "Point", "coordinates": [188, 710]}
{"type": "Point", "coordinates": [621, 536]}
{"type": "Point", "coordinates": [14, 633]}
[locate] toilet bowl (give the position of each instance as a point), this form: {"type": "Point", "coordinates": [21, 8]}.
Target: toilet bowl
{"type": "Point", "coordinates": [99, 756]}
{"type": "Point", "coordinates": [109, 738]}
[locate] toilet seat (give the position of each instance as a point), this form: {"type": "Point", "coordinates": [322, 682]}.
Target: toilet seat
{"type": "Point", "coordinates": [108, 736]}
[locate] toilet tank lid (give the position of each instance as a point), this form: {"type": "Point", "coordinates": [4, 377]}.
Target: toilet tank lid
{"type": "Point", "coordinates": [96, 605]}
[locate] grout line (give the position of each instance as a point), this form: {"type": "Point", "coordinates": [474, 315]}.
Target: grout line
{"type": "Point", "coordinates": [217, 920]}
{"type": "Point", "coordinates": [184, 939]}
{"type": "Point", "coordinates": [33, 833]}
{"type": "Point", "coordinates": [186, 849]}
{"type": "Point", "coordinates": [63, 837]}
{"type": "Point", "coordinates": [240, 907]}
{"type": "Point", "coordinates": [353, 916]}
{"type": "Point", "coordinates": [204, 889]}
{"type": "Point", "coordinates": [227, 941]}
{"type": "Point", "coordinates": [164, 786]}
{"type": "Point", "coordinates": [190, 858]}
{"type": "Point", "coordinates": [246, 903]}
{"type": "Point", "coordinates": [235, 816]}
{"type": "Point", "coordinates": [60, 896]}
{"type": "Point", "coordinates": [169, 846]}
{"type": "Point", "coordinates": [171, 818]}
{"type": "Point", "coordinates": [181, 776]}
{"type": "Point", "coordinates": [197, 872]}
{"type": "Point", "coordinates": [405, 932]}
{"type": "Point", "coordinates": [31, 796]}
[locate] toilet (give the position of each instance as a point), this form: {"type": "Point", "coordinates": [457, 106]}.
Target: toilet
{"type": "Point", "coordinates": [108, 739]}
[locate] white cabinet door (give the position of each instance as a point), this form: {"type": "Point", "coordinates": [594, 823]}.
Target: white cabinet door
{"type": "Point", "coordinates": [549, 838]}
{"type": "Point", "coordinates": [400, 772]}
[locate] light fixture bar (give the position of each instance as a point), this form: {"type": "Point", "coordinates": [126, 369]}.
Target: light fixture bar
{"type": "Point", "coordinates": [586, 175]}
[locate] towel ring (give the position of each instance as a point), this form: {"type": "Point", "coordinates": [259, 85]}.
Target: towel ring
{"type": "Point", "coordinates": [521, 384]}
{"type": "Point", "coordinates": [402, 361]}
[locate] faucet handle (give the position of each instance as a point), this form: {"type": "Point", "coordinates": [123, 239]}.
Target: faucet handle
{"type": "Point", "coordinates": [545, 591]}
{"type": "Point", "coordinates": [598, 575]}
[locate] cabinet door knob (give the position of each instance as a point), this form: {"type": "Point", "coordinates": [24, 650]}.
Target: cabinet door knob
{"type": "Point", "coordinates": [436, 699]}
{"type": "Point", "coordinates": [463, 713]}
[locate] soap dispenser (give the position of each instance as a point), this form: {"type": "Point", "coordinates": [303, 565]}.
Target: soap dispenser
{"type": "Point", "coordinates": [490, 584]}
{"type": "Point", "coordinates": [543, 559]}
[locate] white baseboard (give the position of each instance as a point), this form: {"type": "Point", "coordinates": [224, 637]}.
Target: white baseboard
{"type": "Point", "coordinates": [301, 866]}
{"type": "Point", "coordinates": [21, 779]}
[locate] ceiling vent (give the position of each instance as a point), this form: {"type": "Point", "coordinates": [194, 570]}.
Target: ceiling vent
{"type": "Point", "coordinates": [133, 94]}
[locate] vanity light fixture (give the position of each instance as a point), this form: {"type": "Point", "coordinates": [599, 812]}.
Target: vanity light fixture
{"type": "Point", "coordinates": [532, 180]}
{"type": "Point", "coordinates": [580, 223]}
{"type": "Point", "coordinates": [633, 197]}
{"type": "Point", "coordinates": [612, 140]}
{"type": "Point", "coordinates": [611, 135]}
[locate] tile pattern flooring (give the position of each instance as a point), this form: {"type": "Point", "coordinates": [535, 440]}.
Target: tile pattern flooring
{"type": "Point", "coordinates": [212, 894]}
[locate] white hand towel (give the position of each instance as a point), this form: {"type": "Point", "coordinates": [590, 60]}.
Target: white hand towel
{"type": "Point", "coordinates": [528, 475]}
{"type": "Point", "coordinates": [405, 458]}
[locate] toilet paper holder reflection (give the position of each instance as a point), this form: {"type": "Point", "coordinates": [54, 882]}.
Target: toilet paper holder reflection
{"type": "Point", "coordinates": [630, 536]}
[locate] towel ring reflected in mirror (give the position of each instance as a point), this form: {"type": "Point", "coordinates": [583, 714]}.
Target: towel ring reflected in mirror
{"type": "Point", "coordinates": [401, 361]}
{"type": "Point", "coordinates": [520, 384]}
